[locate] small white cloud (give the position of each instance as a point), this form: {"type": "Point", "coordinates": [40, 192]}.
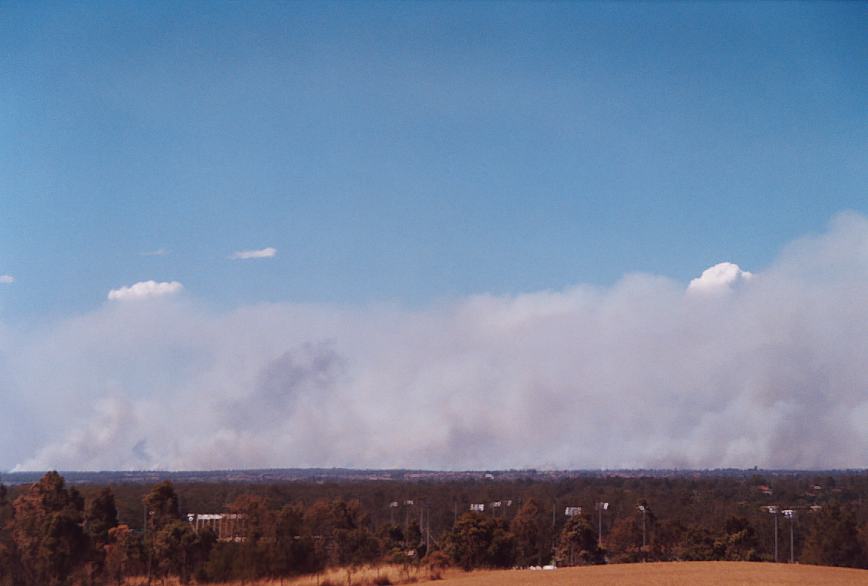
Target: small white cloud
{"type": "Point", "coordinates": [158, 252]}
{"type": "Point", "coordinates": [7, 279]}
{"type": "Point", "coordinates": [721, 277]}
{"type": "Point", "coordinates": [268, 252]}
{"type": "Point", "coordinates": [145, 290]}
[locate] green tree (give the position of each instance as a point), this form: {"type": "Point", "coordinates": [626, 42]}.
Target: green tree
{"type": "Point", "coordinates": [178, 550]}
{"type": "Point", "coordinates": [526, 526]}
{"type": "Point", "coordinates": [162, 520]}
{"type": "Point", "coordinates": [834, 539]}
{"type": "Point", "coordinates": [354, 544]}
{"type": "Point", "coordinates": [392, 537]}
{"type": "Point", "coordinates": [625, 542]}
{"type": "Point", "coordinates": [161, 505]}
{"type": "Point", "coordinates": [697, 544]}
{"type": "Point", "coordinates": [221, 563]}
{"type": "Point", "coordinates": [341, 534]}
{"type": "Point", "coordinates": [123, 554]}
{"type": "Point", "coordinates": [49, 541]}
{"type": "Point", "coordinates": [294, 551]}
{"type": "Point", "coordinates": [578, 543]}
{"type": "Point", "coordinates": [738, 542]}
{"type": "Point", "coordinates": [356, 547]}
{"type": "Point", "coordinates": [101, 515]}
{"type": "Point", "coordinates": [256, 551]}
{"type": "Point", "coordinates": [501, 552]}
{"type": "Point", "coordinates": [480, 541]}
{"type": "Point", "coordinates": [668, 536]}
{"type": "Point", "coordinates": [469, 540]}
{"type": "Point", "coordinates": [10, 572]}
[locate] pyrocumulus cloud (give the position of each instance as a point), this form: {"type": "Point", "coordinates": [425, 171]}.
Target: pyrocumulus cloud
{"type": "Point", "coordinates": [721, 277]}
{"type": "Point", "coordinates": [145, 290]}
{"type": "Point", "coordinates": [769, 371]}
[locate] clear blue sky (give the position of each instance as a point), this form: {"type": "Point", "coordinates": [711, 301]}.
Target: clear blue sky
{"type": "Point", "coordinates": [415, 151]}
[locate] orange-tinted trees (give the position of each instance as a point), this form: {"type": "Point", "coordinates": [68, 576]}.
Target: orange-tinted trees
{"type": "Point", "coordinates": [47, 532]}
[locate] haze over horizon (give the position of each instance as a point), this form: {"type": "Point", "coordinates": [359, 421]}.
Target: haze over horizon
{"type": "Point", "coordinates": [441, 236]}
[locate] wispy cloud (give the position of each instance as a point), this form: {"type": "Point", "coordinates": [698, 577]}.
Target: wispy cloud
{"type": "Point", "coordinates": [7, 279]}
{"type": "Point", "coordinates": [268, 252]}
{"type": "Point", "coordinates": [158, 252]}
{"type": "Point", "coordinates": [145, 290]}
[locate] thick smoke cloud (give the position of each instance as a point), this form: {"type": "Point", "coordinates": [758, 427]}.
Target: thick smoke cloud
{"type": "Point", "coordinates": [769, 370]}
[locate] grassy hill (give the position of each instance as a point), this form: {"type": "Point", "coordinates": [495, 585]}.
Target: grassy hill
{"type": "Point", "coordinates": [669, 574]}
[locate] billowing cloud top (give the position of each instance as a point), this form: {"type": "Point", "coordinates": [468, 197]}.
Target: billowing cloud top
{"type": "Point", "coordinates": [268, 252]}
{"type": "Point", "coordinates": [145, 290]}
{"type": "Point", "coordinates": [7, 279]}
{"type": "Point", "coordinates": [638, 374]}
{"type": "Point", "coordinates": [721, 277]}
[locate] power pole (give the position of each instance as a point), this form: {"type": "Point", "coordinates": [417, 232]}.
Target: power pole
{"type": "Point", "coordinates": [776, 537]}
{"type": "Point", "coordinates": [599, 527]}
{"type": "Point", "coordinates": [601, 506]}
{"type": "Point", "coordinates": [642, 508]}
{"type": "Point", "coordinates": [773, 510]}
{"type": "Point", "coordinates": [791, 515]}
{"type": "Point", "coordinates": [148, 544]}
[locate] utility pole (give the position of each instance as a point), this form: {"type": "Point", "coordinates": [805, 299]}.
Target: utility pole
{"type": "Point", "coordinates": [599, 526]}
{"type": "Point", "coordinates": [600, 508]}
{"type": "Point", "coordinates": [148, 544]}
{"type": "Point", "coordinates": [791, 515]}
{"type": "Point", "coordinates": [773, 509]}
{"type": "Point", "coordinates": [423, 534]}
{"type": "Point", "coordinates": [776, 535]}
{"type": "Point", "coordinates": [642, 508]}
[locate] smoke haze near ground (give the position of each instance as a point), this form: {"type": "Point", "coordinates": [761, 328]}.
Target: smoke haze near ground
{"type": "Point", "coordinates": [757, 366]}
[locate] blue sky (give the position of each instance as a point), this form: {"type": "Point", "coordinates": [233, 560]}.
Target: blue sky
{"type": "Point", "coordinates": [451, 202]}
{"type": "Point", "coordinates": [412, 152]}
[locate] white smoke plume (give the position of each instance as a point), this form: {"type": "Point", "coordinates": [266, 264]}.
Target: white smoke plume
{"type": "Point", "coordinates": [644, 373]}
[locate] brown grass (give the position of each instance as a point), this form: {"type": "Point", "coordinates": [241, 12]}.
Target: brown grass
{"type": "Point", "coordinates": [669, 574]}
{"type": "Point", "coordinates": [656, 574]}
{"type": "Point", "coordinates": [396, 574]}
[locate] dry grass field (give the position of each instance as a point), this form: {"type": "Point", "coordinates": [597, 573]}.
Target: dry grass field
{"type": "Point", "coordinates": [669, 574]}
{"type": "Point", "coordinates": [656, 574]}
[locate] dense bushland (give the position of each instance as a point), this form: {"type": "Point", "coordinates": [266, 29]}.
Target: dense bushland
{"type": "Point", "coordinates": [54, 535]}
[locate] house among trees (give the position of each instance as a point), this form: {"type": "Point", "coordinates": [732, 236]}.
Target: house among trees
{"type": "Point", "coordinates": [226, 526]}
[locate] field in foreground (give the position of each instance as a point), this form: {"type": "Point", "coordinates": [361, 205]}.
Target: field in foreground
{"type": "Point", "coordinates": [653, 574]}
{"type": "Point", "coordinates": [669, 573]}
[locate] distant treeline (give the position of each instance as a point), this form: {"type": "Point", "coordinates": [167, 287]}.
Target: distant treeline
{"type": "Point", "coordinates": [52, 534]}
